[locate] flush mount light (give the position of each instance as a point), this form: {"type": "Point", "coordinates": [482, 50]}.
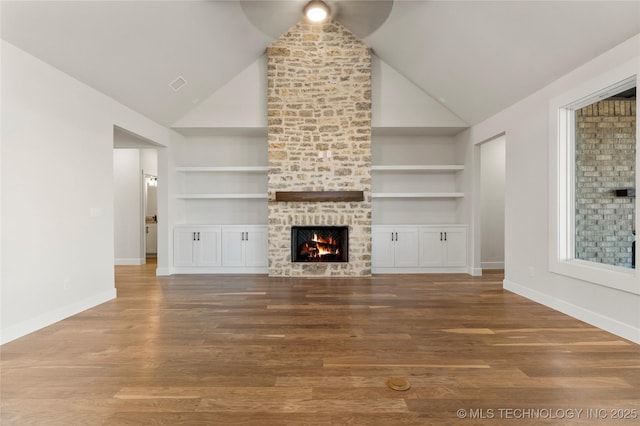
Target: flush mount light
{"type": "Point", "coordinates": [316, 11]}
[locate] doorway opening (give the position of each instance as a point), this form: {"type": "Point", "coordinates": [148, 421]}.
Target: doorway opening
{"type": "Point", "coordinates": [492, 203]}
{"type": "Point", "coordinates": [150, 197]}
{"type": "Point", "coordinates": [135, 167]}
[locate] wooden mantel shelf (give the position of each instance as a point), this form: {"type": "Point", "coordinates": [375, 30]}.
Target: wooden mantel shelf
{"type": "Point", "coordinates": [319, 196]}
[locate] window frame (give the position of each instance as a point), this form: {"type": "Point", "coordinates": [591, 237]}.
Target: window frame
{"type": "Point", "coordinates": [562, 181]}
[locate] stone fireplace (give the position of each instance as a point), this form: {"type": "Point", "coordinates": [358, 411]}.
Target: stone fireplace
{"type": "Point", "coordinates": [319, 136]}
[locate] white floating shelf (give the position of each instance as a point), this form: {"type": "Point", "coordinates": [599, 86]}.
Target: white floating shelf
{"type": "Point", "coordinates": [419, 168]}
{"type": "Point", "coordinates": [190, 169]}
{"type": "Point", "coordinates": [417, 195]}
{"type": "Point", "coordinates": [221, 196]}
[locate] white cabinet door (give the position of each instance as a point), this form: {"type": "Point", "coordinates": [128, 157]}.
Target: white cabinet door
{"type": "Point", "coordinates": [215, 247]}
{"type": "Point", "coordinates": [382, 247]}
{"type": "Point", "coordinates": [432, 250]}
{"type": "Point", "coordinates": [244, 246]}
{"type": "Point", "coordinates": [184, 247]}
{"type": "Point", "coordinates": [418, 248]}
{"type": "Point", "coordinates": [196, 246]}
{"type": "Point", "coordinates": [455, 247]}
{"type": "Point", "coordinates": [407, 247]}
{"type": "Point", "coordinates": [395, 247]}
{"type": "Point", "coordinates": [208, 242]}
{"type": "Point", "coordinates": [232, 246]}
{"type": "Point", "coordinates": [256, 246]}
{"type": "Point", "coordinates": [444, 246]}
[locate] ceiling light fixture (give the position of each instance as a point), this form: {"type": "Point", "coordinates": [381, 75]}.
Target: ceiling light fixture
{"type": "Point", "coordinates": [316, 11]}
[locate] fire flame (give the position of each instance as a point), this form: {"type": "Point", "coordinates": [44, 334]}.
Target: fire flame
{"type": "Point", "coordinates": [328, 240]}
{"type": "Point", "coordinates": [322, 246]}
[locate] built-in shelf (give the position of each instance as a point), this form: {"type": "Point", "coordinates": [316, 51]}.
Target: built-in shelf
{"type": "Point", "coordinates": [216, 169]}
{"type": "Point", "coordinates": [418, 168]}
{"type": "Point", "coordinates": [417, 195]}
{"type": "Point", "coordinates": [221, 169]}
{"type": "Point", "coordinates": [220, 196]}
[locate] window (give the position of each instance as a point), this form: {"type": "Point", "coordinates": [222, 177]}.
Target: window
{"type": "Point", "coordinates": [593, 204]}
{"type": "Point", "coordinates": [604, 175]}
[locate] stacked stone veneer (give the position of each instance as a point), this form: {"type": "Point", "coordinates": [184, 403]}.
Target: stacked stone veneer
{"type": "Point", "coordinates": [605, 160]}
{"type": "Point", "coordinates": [319, 101]}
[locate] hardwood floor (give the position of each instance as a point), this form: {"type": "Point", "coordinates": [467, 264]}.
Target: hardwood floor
{"type": "Point", "coordinates": [253, 350]}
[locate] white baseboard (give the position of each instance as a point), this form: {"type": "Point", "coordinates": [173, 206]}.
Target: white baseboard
{"type": "Point", "coordinates": [165, 272]}
{"type": "Point", "coordinates": [611, 325]}
{"type": "Point", "coordinates": [23, 328]}
{"type": "Point", "coordinates": [217, 270]}
{"type": "Point", "coordinates": [492, 265]}
{"type": "Point", "coordinates": [420, 270]}
{"type": "Point", "coordinates": [130, 261]}
{"type": "Point", "coordinates": [475, 272]}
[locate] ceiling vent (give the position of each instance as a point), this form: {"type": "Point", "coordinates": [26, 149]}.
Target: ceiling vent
{"type": "Point", "coordinates": [178, 83]}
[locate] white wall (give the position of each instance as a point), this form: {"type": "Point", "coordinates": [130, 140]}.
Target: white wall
{"type": "Point", "coordinates": [492, 182]}
{"type": "Point", "coordinates": [468, 207]}
{"type": "Point", "coordinates": [168, 206]}
{"type": "Point", "coordinates": [149, 161]}
{"type": "Point", "coordinates": [397, 102]}
{"type": "Point", "coordinates": [527, 246]}
{"type": "Point", "coordinates": [57, 193]}
{"type": "Point", "coordinates": [127, 214]}
{"type": "Point", "coordinates": [242, 102]}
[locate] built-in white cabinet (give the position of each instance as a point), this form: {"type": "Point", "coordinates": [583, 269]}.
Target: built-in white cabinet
{"type": "Point", "coordinates": [419, 248]}
{"type": "Point", "coordinates": [244, 246]}
{"type": "Point", "coordinates": [197, 246]}
{"type": "Point", "coordinates": [220, 249]}
{"type": "Point", "coordinates": [443, 246]}
{"type": "Point", "coordinates": [395, 247]}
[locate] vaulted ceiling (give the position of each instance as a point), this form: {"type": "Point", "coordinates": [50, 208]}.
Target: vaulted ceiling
{"type": "Point", "coordinates": [474, 57]}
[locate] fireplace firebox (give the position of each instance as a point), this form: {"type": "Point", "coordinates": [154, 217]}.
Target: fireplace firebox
{"type": "Point", "coordinates": [319, 243]}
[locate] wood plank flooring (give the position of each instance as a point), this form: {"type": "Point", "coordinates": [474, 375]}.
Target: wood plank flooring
{"type": "Point", "coordinates": [253, 350]}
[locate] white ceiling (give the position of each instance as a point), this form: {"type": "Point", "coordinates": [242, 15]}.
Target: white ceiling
{"type": "Point", "coordinates": [476, 57]}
